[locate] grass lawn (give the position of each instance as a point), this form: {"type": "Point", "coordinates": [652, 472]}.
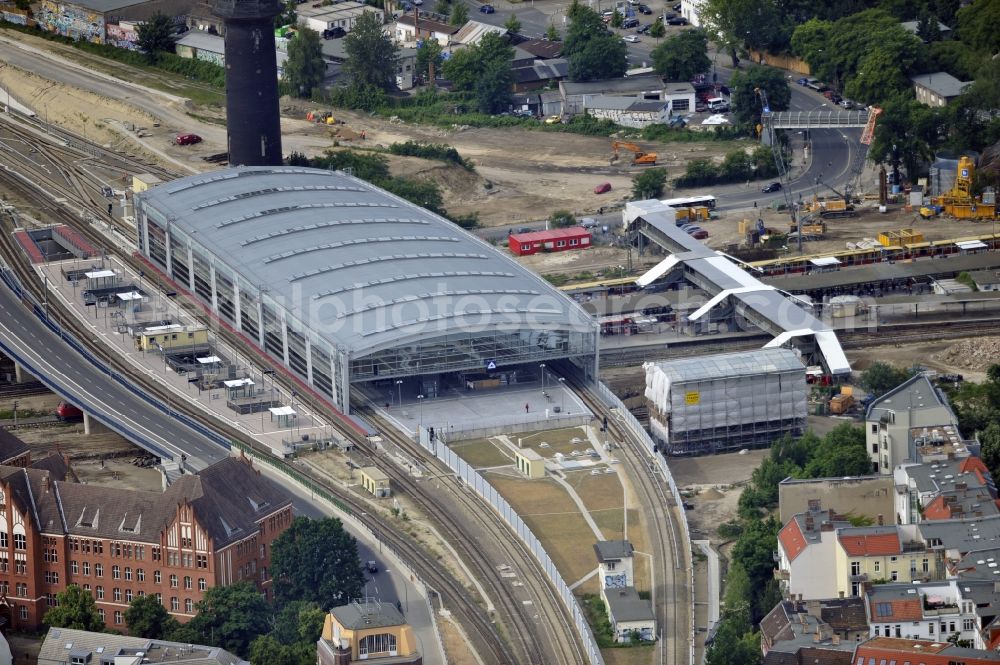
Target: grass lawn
{"type": "Point", "coordinates": [529, 497]}
{"type": "Point", "coordinates": [598, 492]}
{"type": "Point", "coordinates": [559, 440]}
{"type": "Point", "coordinates": [568, 540]}
{"type": "Point", "coordinates": [482, 453]}
{"type": "Point", "coordinates": [644, 655]}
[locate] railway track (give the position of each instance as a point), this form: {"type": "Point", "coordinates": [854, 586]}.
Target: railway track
{"type": "Point", "coordinates": [545, 640]}
{"type": "Point", "coordinates": [525, 631]}
{"type": "Point", "coordinates": [670, 555]}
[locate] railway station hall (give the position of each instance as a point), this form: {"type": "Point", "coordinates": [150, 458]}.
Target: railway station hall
{"type": "Point", "coordinates": [353, 288]}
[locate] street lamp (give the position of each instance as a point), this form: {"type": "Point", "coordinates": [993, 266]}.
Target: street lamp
{"type": "Point", "coordinates": [542, 367]}
{"type": "Point", "coordinates": [562, 394]}
{"type": "Point", "coordinates": [420, 401]}
{"type": "Point", "coordinates": [399, 391]}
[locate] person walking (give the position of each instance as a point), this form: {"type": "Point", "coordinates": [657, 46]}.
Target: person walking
{"type": "Point", "coordinates": [527, 407]}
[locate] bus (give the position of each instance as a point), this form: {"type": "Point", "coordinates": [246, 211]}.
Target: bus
{"type": "Point", "coordinates": [691, 202]}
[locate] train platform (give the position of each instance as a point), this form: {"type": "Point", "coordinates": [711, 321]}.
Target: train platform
{"type": "Point", "coordinates": [458, 415]}
{"type": "Point", "coordinates": [888, 275]}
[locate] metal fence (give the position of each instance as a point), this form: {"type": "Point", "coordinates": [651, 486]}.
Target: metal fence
{"type": "Point", "coordinates": [479, 484]}
{"type": "Point", "coordinates": [640, 434]}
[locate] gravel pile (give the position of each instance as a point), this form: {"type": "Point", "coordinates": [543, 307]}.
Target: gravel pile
{"type": "Point", "coordinates": [975, 354]}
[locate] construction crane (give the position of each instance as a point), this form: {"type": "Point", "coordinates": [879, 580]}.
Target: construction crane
{"type": "Point", "coordinates": [639, 156]}
{"type": "Point", "coordinates": [779, 163]}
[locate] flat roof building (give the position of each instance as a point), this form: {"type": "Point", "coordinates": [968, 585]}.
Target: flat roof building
{"type": "Point", "coordinates": [342, 282]}
{"type": "Point", "coordinates": [68, 645]}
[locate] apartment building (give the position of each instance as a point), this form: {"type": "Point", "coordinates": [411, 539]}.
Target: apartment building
{"type": "Point", "coordinates": [207, 529]}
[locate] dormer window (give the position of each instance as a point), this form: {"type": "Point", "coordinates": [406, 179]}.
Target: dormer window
{"type": "Point", "coordinates": [89, 520]}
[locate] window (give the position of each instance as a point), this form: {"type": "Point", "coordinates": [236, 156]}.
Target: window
{"type": "Point", "coordinates": [157, 577]}
{"type": "Point", "coordinates": [201, 584]}
{"type": "Point", "coordinates": [86, 568]}
{"type": "Point", "coordinates": [128, 595]}
{"type": "Point", "coordinates": [173, 581]}
{"type": "Point", "coordinates": [874, 428]}
{"type": "Point", "coordinates": [117, 595]}
{"type": "Point", "coordinates": [883, 610]}
{"type": "Point", "coordinates": [20, 542]}
{"type": "Point", "coordinates": [930, 629]}
{"type": "Point", "coordinates": [875, 448]}
{"type": "Point", "coordinates": [925, 567]}
{"type": "Point", "coordinates": [140, 574]}
{"type": "Point", "coordinates": [116, 573]}
{"type": "Point", "coordinates": [22, 612]}
{"type": "Point", "coordinates": [128, 574]}
{"type": "Point", "coordinates": [898, 631]}
{"type": "Point", "coordinates": [99, 570]}
{"type": "Point", "coordinates": [893, 559]}
{"type": "Point", "coordinates": [878, 566]}
{"type": "Point", "coordinates": [100, 611]}
{"type": "Point", "coordinates": [203, 561]}
{"type": "Point", "coordinates": [75, 567]}
{"type": "Point", "coordinates": [118, 617]}
{"type": "Point", "coordinates": [22, 589]}
{"type": "Point", "coordinates": [188, 605]}
{"type": "Point", "coordinates": [51, 577]}
{"type": "Point", "coordinates": [894, 576]}
{"type": "Point", "coordinates": [560, 243]}
{"type": "Point", "coordinates": [855, 568]}
{"type": "Point", "coordinates": [968, 624]}
{"type": "Point", "coordinates": [187, 583]}
{"type": "Point", "coordinates": [175, 604]}
{"type": "Point", "coordinates": [100, 592]}
{"type": "Point", "coordinates": [383, 643]}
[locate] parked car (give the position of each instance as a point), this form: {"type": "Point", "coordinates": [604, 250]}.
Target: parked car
{"type": "Point", "coordinates": [772, 187]}
{"type": "Point", "coordinates": [603, 188]}
{"type": "Point", "coordinates": [371, 567]}
{"type": "Point", "coordinates": [677, 20]}
{"type": "Point", "coordinates": [643, 29]}
{"type": "Point", "coordinates": [553, 119]}
{"type": "Point", "coordinates": [487, 9]}
{"type": "Point", "coordinates": [700, 234]}
{"type": "Point", "coordinates": [588, 222]}
{"type": "Point", "coordinates": [607, 13]}
{"type": "Point", "coordinates": [644, 9]}
{"type": "Point", "coordinates": [630, 23]}
{"type": "Point", "coordinates": [187, 139]}
{"type": "Point", "coordinates": [676, 7]}
{"type": "Point", "coordinates": [846, 103]}
{"type": "Point", "coordinates": [334, 33]}
{"type": "Point", "coordinates": [802, 81]}
{"type": "Point", "coordinates": [631, 39]}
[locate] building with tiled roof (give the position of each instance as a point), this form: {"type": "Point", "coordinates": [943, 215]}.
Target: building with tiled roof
{"type": "Point", "coordinates": [805, 545]}
{"type": "Point", "coordinates": [13, 451]}
{"type": "Point", "coordinates": [792, 635]}
{"type": "Point", "coordinates": [891, 420]}
{"type": "Point", "coordinates": [205, 530]}
{"type": "Point", "coordinates": [861, 496]}
{"type": "Point", "coordinates": [901, 650]}
{"type": "Point", "coordinates": [63, 646]}
{"type": "Point", "coordinates": [368, 631]}
{"type": "Point", "coordinates": [937, 610]}
{"type": "Point", "coordinates": [944, 490]}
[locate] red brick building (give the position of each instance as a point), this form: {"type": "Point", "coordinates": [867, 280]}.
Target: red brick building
{"type": "Point", "coordinates": [920, 652]}
{"type": "Point", "coordinates": [207, 529]}
{"type": "Point", "coordinates": [554, 240]}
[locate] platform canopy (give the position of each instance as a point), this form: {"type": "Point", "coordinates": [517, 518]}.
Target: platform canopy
{"type": "Point", "coordinates": [238, 383]}
{"type": "Point", "coordinates": [282, 411]}
{"type": "Point", "coordinates": [824, 261]}
{"type": "Point", "coordinates": [99, 274]}
{"type": "Point", "coordinates": [131, 295]}
{"type": "Point", "coordinates": [210, 360]}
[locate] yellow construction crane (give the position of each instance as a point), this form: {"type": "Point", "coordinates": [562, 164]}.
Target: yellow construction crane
{"type": "Point", "coordinates": [639, 156]}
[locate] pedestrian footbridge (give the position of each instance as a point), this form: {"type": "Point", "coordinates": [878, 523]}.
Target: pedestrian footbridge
{"type": "Point", "coordinates": [822, 119]}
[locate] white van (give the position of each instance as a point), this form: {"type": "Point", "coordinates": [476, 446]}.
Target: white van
{"type": "Point", "coordinates": [718, 105]}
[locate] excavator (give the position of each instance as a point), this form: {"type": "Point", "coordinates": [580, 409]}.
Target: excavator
{"type": "Point", "coordinates": [639, 156]}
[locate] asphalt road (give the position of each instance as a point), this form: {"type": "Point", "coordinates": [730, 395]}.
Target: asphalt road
{"type": "Point", "coordinates": [61, 368]}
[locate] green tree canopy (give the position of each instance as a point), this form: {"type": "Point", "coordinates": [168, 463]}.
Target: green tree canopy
{"type": "Point", "coordinates": [881, 377]}
{"type": "Point", "coordinates": [683, 56]}
{"type": "Point", "coordinates": [617, 20]}
{"type": "Point", "coordinates": [657, 30]}
{"type": "Point", "coordinates": [743, 87]}
{"type": "Point", "coordinates": [977, 26]}
{"type": "Point", "coordinates": [484, 70]}
{"type": "Point", "coordinates": [561, 219]}
{"type": "Point", "coordinates": [371, 53]}
{"type": "Point", "coordinates": [230, 617]}
{"type": "Point", "coordinates": [155, 35]}
{"type": "Point", "coordinates": [317, 561]}
{"type": "Point", "coordinates": [738, 24]}
{"type": "Point", "coordinates": [147, 617]}
{"type": "Point", "coordinates": [989, 440]}
{"type": "Point", "coordinates": [459, 14]}
{"type": "Point", "coordinates": [843, 453]}
{"type": "Point", "coordinates": [75, 609]}
{"type": "Point", "coordinates": [304, 69]}
{"type": "Point", "coordinates": [552, 33]}
{"type": "Point", "coordinates": [429, 52]}
{"type": "Point", "coordinates": [512, 25]}
{"type": "Point", "coordinates": [649, 184]}
{"type": "Point", "coordinates": [593, 53]}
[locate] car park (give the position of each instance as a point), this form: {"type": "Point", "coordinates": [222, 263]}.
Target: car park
{"type": "Point", "coordinates": [771, 187]}
{"type": "Point", "coordinates": [677, 20]}
{"type": "Point", "coordinates": [487, 9]}
{"type": "Point", "coordinates": [187, 139]}
{"type": "Point", "coordinates": [603, 188]}
{"type": "Point", "coordinates": [631, 39]}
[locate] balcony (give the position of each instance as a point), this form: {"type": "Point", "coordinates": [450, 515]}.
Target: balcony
{"type": "Point", "coordinates": [780, 574]}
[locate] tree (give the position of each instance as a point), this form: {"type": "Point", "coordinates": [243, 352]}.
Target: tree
{"type": "Point", "coordinates": [649, 184]}
{"type": "Point", "coordinates": [754, 551]}
{"type": "Point", "coordinates": [459, 14]}
{"type": "Point", "coordinates": [484, 70]}
{"type": "Point", "coordinates": [288, 15]}
{"type": "Point", "coordinates": [267, 650]}
{"type": "Point", "coordinates": [229, 616]}
{"type": "Point", "coordinates": [156, 34]}
{"type": "Point", "coordinates": [304, 69]}
{"type": "Point", "coordinates": [743, 86]}
{"type": "Point", "coordinates": [316, 560]}
{"type": "Point", "coordinates": [683, 56]}
{"type": "Point", "coordinates": [977, 26]}
{"type": "Point", "coordinates": [429, 52]}
{"type": "Point", "coordinates": [907, 131]}
{"type": "Point", "coordinates": [657, 30]}
{"type": "Point", "coordinates": [561, 219]}
{"type": "Point", "coordinates": [371, 53]}
{"type": "Point", "coordinates": [552, 33]}
{"type": "Point", "coordinates": [740, 24]}
{"type": "Point", "coordinates": [147, 617]}
{"type": "Point", "coordinates": [843, 453]}
{"type": "Point", "coordinates": [617, 20]}
{"type": "Point", "coordinates": [989, 441]}
{"type": "Point", "coordinates": [513, 25]}
{"type": "Point", "coordinates": [593, 52]}
{"type": "Point", "coordinates": [75, 608]}
{"type": "Point", "coordinates": [927, 26]}
{"type": "Point", "coordinates": [881, 377]}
